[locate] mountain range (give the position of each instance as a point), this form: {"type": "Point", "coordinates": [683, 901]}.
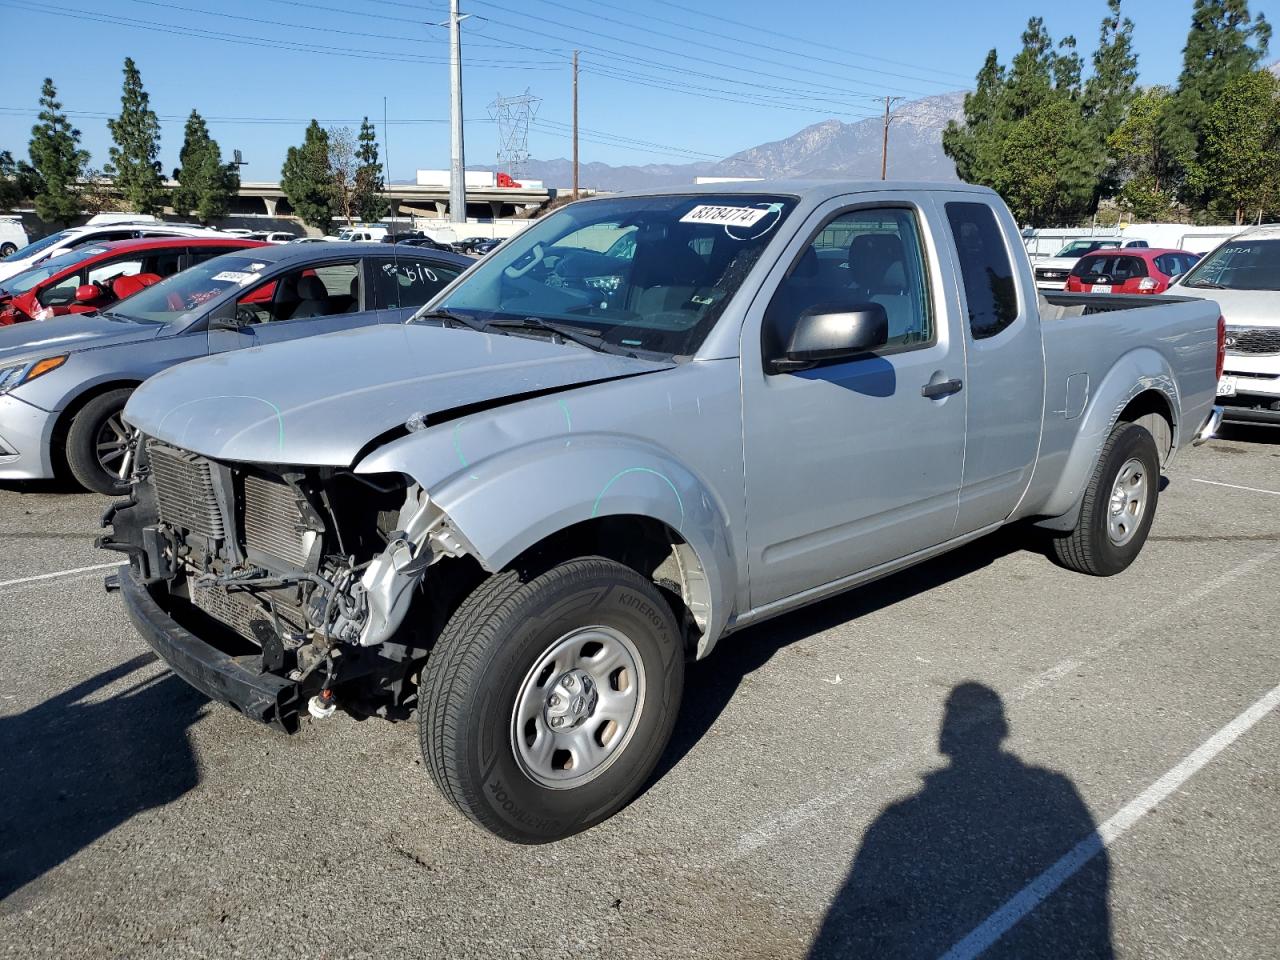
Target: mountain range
{"type": "Point", "coordinates": [831, 148]}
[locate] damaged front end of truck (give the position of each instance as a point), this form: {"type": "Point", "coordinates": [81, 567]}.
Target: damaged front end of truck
{"type": "Point", "coordinates": [280, 590]}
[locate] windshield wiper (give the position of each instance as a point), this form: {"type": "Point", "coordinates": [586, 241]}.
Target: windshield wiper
{"type": "Point", "coordinates": [457, 319]}
{"type": "Point", "coordinates": [1206, 284]}
{"type": "Point", "coordinates": [592, 341]}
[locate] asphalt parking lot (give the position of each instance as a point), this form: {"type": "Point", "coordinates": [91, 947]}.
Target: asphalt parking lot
{"type": "Point", "coordinates": [804, 809]}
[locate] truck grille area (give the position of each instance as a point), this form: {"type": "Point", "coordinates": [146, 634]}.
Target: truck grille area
{"type": "Point", "coordinates": [1253, 340]}
{"type": "Point", "coordinates": [273, 522]}
{"type": "Point", "coordinates": [184, 491]}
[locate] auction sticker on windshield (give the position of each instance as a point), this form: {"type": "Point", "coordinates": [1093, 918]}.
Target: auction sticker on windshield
{"type": "Point", "coordinates": [236, 276]}
{"type": "Point", "coordinates": [727, 216]}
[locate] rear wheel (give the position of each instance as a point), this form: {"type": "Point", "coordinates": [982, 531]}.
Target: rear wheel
{"type": "Point", "coordinates": [1119, 506]}
{"type": "Point", "coordinates": [6, 249]}
{"type": "Point", "coordinates": [97, 443]}
{"type": "Point", "coordinates": [546, 703]}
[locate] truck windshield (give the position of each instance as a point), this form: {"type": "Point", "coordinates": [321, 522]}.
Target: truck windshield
{"type": "Point", "coordinates": [1239, 265]}
{"type": "Point", "coordinates": [635, 273]}
{"type": "Point", "coordinates": [175, 296]}
{"type": "Point", "coordinates": [1079, 247]}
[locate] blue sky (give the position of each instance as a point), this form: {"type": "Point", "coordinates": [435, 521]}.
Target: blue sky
{"type": "Point", "coordinates": [655, 72]}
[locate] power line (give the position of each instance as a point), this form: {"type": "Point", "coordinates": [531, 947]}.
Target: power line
{"type": "Point", "coordinates": [702, 43]}
{"type": "Point", "coordinates": [809, 41]}
{"type": "Point", "coordinates": [309, 26]}
{"type": "Point", "coordinates": [29, 6]}
{"type": "Point", "coordinates": [673, 87]}
{"type": "Point", "coordinates": [668, 66]}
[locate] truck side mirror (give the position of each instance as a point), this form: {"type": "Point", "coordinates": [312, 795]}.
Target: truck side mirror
{"type": "Point", "coordinates": [833, 331]}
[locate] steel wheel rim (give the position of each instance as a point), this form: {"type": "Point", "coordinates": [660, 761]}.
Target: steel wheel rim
{"type": "Point", "coordinates": [591, 682]}
{"type": "Point", "coordinates": [1128, 504]}
{"type": "Point", "coordinates": [111, 446]}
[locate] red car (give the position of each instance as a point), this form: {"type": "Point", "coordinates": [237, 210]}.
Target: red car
{"type": "Point", "coordinates": [1131, 270]}
{"type": "Point", "coordinates": [96, 275]}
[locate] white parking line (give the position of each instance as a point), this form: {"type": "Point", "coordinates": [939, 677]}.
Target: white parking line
{"type": "Point", "coordinates": [1236, 486]}
{"type": "Point", "coordinates": [1039, 889]}
{"type": "Point", "coordinates": [785, 821]}
{"type": "Point", "coordinates": [60, 573]}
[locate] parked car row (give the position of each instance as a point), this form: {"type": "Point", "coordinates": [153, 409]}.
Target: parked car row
{"type": "Point", "coordinates": [64, 382]}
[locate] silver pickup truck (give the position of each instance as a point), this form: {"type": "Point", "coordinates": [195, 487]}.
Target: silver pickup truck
{"type": "Point", "coordinates": [646, 422]}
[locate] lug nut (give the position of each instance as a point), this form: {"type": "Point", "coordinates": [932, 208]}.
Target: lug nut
{"type": "Point", "coordinates": [557, 721]}
{"type": "Point", "coordinates": [554, 701]}
{"type": "Point", "coordinates": [569, 683]}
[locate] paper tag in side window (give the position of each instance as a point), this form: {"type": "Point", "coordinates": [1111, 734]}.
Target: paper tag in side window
{"type": "Point", "coordinates": [725, 216]}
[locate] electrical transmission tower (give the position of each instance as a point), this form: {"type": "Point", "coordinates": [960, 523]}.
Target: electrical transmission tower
{"type": "Point", "coordinates": [513, 115]}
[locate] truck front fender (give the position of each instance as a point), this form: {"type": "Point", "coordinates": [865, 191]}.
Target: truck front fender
{"type": "Point", "coordinates": [506, 503]}
{"type": "Point", "coordinates": [1136, 372]}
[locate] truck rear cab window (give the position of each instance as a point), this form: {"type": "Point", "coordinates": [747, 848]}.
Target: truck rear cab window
{"type": "Point", "coordinates": [864, 256]}
{"type": "Point", "coordinates": [985, 268]}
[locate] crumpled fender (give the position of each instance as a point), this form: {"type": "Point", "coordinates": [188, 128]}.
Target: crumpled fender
{"type": "Point", "coordinates": [1136, 372]}
{"type": "Point", "coordinates": [502, 496]}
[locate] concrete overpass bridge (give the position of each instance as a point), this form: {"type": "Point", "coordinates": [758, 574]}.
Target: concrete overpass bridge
{"type": "Point", "coordinates": [265, 198]}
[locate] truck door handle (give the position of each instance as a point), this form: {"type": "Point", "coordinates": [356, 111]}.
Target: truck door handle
{"type": "Point", "coordinates": [942, 388]}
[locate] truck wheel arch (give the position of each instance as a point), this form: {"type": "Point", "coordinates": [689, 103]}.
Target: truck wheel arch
{"type": "Point", "coordinates": [1139, 388]}
{"type": "Point", "coordinates": [546, 500]}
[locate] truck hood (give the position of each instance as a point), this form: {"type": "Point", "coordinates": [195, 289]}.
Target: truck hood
{"type": "Point", "coordinates": [1240, 308]}
{"type": "Point", "coordinates": [319, 401]}
{"type": "Point", "coordinates": [80, 331]}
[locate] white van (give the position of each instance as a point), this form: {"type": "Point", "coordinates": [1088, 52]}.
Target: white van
{"type": "Point", "coordinates": [12, 236]}
{"type": "Point", "coordinates": [360, 233]}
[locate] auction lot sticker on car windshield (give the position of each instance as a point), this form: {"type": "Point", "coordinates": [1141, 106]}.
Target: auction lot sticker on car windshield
{"type": "Point", "coordinates": [728, 216]}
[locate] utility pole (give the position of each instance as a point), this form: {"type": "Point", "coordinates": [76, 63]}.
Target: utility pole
{"type": "Point", "coordinates": [575, 124]}
{"type": "Point", "coordinates": [884, 148]}
{"type": "Point", "coordinates": [457, 166]}
{"type": "Point", "coordinates": [386, 170]}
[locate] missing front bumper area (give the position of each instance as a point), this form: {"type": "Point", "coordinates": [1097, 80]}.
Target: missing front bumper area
{"type": "Point", "coordinates": [235, 680]}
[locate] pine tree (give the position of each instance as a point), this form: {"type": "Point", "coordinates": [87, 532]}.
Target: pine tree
{"type": "Point", "coordinates": [369, 202]}
{"type": "Point", "coordinates": [57, 160]}
{"type": "Point", "coordinates": [306, 179]}
{"type": "Point", "coordinates": [1114, 81]}
{"type": "Point", "coordinates": [1241, 158]}
{"type": "Point", "coordinates": [1225, 43]}
{"type": "Point", "coordinates": [1024, 133]}
{"type": "Point", "coordinates": [969, 144]}
{"type": "Point", "coordinates": [205, 184]}
{"type": "Point", "coordinates": [134, 158]}
{"type": "Point", "coordinates": [1140, 166]}
{"type": "Point", "coordinates": [18, 182]}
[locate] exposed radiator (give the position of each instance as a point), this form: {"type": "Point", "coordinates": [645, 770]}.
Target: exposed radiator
{"type": "Point", "coordinates": [184, 491]}
{"type": "Point", "coordinates": [238, 609]}
{"type": "Point", "coordinates": [273, 524]}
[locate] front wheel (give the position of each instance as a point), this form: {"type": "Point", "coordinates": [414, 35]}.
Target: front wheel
{"type": "Point", "coordinates": [1119, 505]}
{"type": "Point", "coordinates": [546, 703]}
{"type": "Point", "coordinates": [7, 249]}
{"type": "Point", "coordinates": [98, 444]}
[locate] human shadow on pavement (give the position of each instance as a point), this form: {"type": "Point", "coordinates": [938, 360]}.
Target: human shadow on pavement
{"type": "Point", "coordinates": [72, 769]}
{"type": "Point", "coordinates": [934, 867]}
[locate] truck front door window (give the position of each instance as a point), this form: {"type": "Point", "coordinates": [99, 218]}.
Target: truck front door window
{"type": "Point", "coordinates": [985, 270]}
{"type": "Point", "coordinates": [861, 257]}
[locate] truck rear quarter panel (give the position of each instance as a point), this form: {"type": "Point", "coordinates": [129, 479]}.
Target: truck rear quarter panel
{"type": "Point", "coordinates": [1095, 365]}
